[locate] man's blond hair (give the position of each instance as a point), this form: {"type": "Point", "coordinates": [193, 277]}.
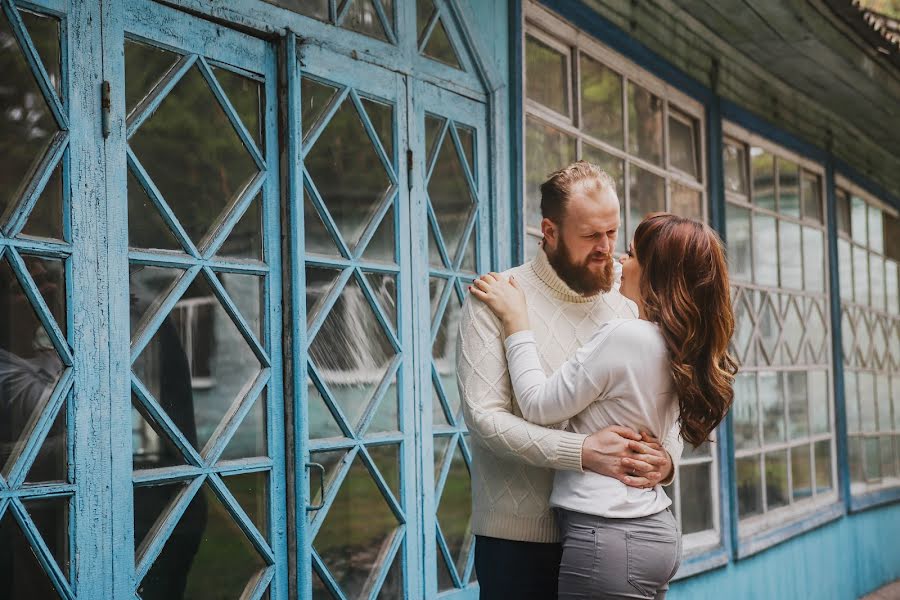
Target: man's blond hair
{"type": "Point", "coordinates": [579, 177]}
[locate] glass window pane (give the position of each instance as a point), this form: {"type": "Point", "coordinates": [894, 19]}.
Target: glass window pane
{"type": "Point", "coordinates": [749, 486]}
{"type": "Point", "coordinates": [696, 501]}
{"type": "Point", "coordinates": [547, 75]}
{"type": "Point", "coordinates": [765, 253]}
{"type": "Point", "coordinates": [735, 168]}
{"type": "Point", "coordinates": [891, 289]}
{"type": "Point", "coordinates": [819, 402]}
{"type": "Point", "coordinates": [855, 458]}
{"type": "Point", "coordinates": [439, 47]}
{"type": "Point", "coordinates": [811, 193]}
{"type": "Point", "coordinates": [686, 202]}
{"type": "Point", "coordinates": [790, 254]}
{"type": "Point", "coordinates": [455, 510]}
{"type": "Point", "coordinates": [645, 124]}
{"type": "Point", "coordinates": [843, 212]}
{"type": "Point", "coordinates": [451, 197]}
{"type": "Point", "coordinates": [362, 17]}
{"type": "Point", "coordinates": [788, 188]}
{"type": "Point", "coordinates": [872, 458]}
{"type": "Point", "coordinates": [615, 167]}
{"type": "Point", "coordinates": [883, 399]}
{"type": "Point", "coordinates": [546, 150]}
{"type": "Point", "coordinates": [851, 397]}
{"type": "Point", "coordinates": [858, 220]}
{"type": "Point", "coordinates": [876, 230]}
{"type": "Point", "coordinates": [739, 244]}
{"type": "Point", "coordinates": [813, 260]}
{"type": "Point", "coordinates": [845, 270]}
{"type": "Point", "coordinates": [771, 397]}
{"type": "Point", "coordinates": [860, 275]}
{"type": "Point", "coordinates": [601, 102]}
{"type": "Point", "coordinates": [745, 412]}
{"type": "Point", "coordinates": [867, 407]}
{"type": "Point", "coordinates": [683, 146]}
{"type": "Point", "coordinates": [776, 479]}
{"type": "Point", "coordinates": [44, 33]}
{"type": "Point", "coordinates": [876, 281]}
{"type": "Point", "coordinates": [317, 9]}
{"type": "Point", "coordinates": [823, 466]}
{"type": "Point", "coordinates": [887, 457]}
{"type": "Point", "coordinates": [801, 472]}
{"type": "Point", "coordinates": [891, 236]}
{"type": "Point", "coordinates": [762, 165]}
{"type": "Point", "coordinates": [647, 194]}
{"type": "Point", "coordinates": [798, 405]}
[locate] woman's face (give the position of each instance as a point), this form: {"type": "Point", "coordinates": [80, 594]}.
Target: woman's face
{"type": "Point", "coordinates": [631, 276]}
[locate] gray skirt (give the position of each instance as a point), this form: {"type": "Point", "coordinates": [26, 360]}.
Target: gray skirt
{"type": "Point", "coordinates": [617, 558]}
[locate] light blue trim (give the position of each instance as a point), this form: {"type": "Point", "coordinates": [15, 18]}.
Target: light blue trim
{"type": "Point", "coordinates": [752, 545]}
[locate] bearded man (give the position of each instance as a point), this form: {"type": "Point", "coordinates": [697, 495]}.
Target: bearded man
{"type": "Point", "coordinates": [571, 291]}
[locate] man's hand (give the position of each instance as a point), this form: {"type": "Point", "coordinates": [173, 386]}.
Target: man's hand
{"type": "Point", "coordinates": [635, 459]}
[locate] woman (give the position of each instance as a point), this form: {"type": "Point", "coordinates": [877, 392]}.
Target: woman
{"type": "Point", "coordinates": [671, 364]}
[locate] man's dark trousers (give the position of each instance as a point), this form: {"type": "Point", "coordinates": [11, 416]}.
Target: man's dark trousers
{"type": "Point", "coordinates": [509, 569]}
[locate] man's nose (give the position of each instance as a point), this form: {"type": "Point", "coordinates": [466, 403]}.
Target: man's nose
{"type": "Point", "coordinates": [603, 246]}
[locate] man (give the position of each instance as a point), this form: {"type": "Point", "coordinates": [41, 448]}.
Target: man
{"type": "Point", "coordinates": [570, 291]}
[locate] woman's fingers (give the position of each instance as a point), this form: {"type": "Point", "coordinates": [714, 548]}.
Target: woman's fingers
{"type": "Point", "coordinates": [482, 285]}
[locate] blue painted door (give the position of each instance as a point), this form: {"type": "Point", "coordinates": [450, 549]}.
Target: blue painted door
{"type": "Point", "coordinates": [201, 182]}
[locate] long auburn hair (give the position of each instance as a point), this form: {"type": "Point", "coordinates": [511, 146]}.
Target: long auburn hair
{"type": "Point", "coordinates": [684, 288]}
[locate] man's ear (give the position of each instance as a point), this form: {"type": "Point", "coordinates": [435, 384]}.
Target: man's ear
{"type": "Point", "coordinates": [550, 231]}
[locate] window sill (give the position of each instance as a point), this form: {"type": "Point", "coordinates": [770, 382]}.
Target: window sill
{"type": "Point", "coordinates": [873, 498]}
{"type": "Point", "coordinates": [758, 541]}
{"type": "Point", "coordinates": [701, 561]}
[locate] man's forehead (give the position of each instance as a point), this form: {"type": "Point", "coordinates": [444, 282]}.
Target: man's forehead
{"type": "Point", "coordinates": [596, 206]}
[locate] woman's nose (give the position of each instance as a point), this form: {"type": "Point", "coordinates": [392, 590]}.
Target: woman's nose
{"type": "Point", "coordinates": [622, 258]}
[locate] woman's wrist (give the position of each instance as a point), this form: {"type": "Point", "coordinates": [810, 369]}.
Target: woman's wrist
{"type": "Point", "coordinates": [514, 324]}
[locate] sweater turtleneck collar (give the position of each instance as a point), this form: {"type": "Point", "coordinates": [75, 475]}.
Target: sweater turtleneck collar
{"type": "Point", "coordinates": [547, 274]}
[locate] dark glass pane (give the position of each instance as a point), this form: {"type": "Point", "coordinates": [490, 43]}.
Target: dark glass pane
{"type": "Point", "coordinates": [250, 438]}
{"type": "Point", "coordinates": [788, 188]}
{"type": "Point", "coordinates": [317, 9]}
{"type": "Point", "coordinates": [52, 462]}
{"type": "Point", "coordinates": [647, 194]}
{"type": "Point", "coordinates": [444, 352]}
{"type": "Point", "coordinates": [26, 125]}
{"type": "Point", "coordinates": [392, 587]}
{"type": "Point", "coordinates": [745, 412]}
{"type": "Point", "coordinates": [686, 202]}
{"type": "Point", "coordinates": [762, 167]}
{"type": "Point", "coordinates": [387, 461]}
{"type": "Point", "coordinates": [771, 398]}
{"type": "Point", "coordinates": [455, 510]}
{"type": "Point", "coordinates": [735, 168]}
{"type": "Point", "coordinates": [445, 580]}
{"type": "Point", "coordinates": [765, 253]}
{"type": "Point", "coordinates": [645, 124]}
{"type": "Point", "coordinates": [696, 498]}
{"type": "Point", "coordinates": [683, 146]}
{"type": "Point", "coordinates": [316, 239]}
{"type": "Point", "coordinates": [546, 150]}
{"type": "Point", "coordinates": [148, 287]}
{"type": "Point", "coordinates": [352, 352]}
{"type": "Point", "coordinates": [382, 117]}
{"type": "Point", "coordinates": [24, 578]}
{"type": "Point", "coordinates": [49, 275]}
{"type": "Point", "coordinates": [319, 282]}
{"type": "Point", "coordinates": [151, 448]}
{"type": "Point", "coordinates": [433, 127]}
{"type": "Point", "coordinates": [601, 102]}
{"type": "Point", "coordinates": [790, 254]}
{"type": "Point", "coordinates": [51, 518]}
{"type": "Point", "coordinates": [322, 423]}
{"type": "Point", "coordinates": [434, 253]}
{"type": "Point", "coordinates": [347, 172]}
{"type": "Point", "coordinates": [331, 461]}
{"type": "Point", "coordinates": [468, 262]}
{"type": "Point", "coordinates": [46, 218]}
{"type": "Point", "coordinates": [801, 472]}
{"type": "Point", "coordinates": [740, 245]}
{"type": "Point", "coordinates": [363, 18]}
{"type": "Point", "coordinates": [319, 590]}
{"type": "Point", "coordinates": [146, 228]}
{"type": "Point", "coordinates": [387, 416]}
{"type": "Point", "coordinates": [440, 48]}
{"type": "Point", "coordinates": [44, 33]}
{"type": "Point", "coordinates": [145, 65]}
{"type": "Point", "coordinates": [823, 465]}
{"type": "Point", "coordinates": [152, 503]}
{"type": "Point", "coordinates": [251, 490]}
{"type": "Point", "coordinates": [547, 77]}
{"type": "Point", "coordinates": [210, 558]}
{"type": "Point", "coordinates": [467, 141]}
{"type": "Point", "coordinates": [450, 195]}
{"type": "Point", "coordinates": [248, 99]}
{"type": "Point", "coordinates": [246, 238]}
{"type": "Point", "coordinates": [384, 287]}
{"type": "Point", "coordinates": [193, 154]}
{"type": "Point", "coordinates": [31, 365]}
{"type": "Point", "coordinates": [441, 443]}
{"type": "Point", "coordinates": [438, 416]}
{"type": "Point", "coordinates": [424, 10]}
{"type": "Point", "coordinates": [811, 195]}
{"type": "Point", "coordinates": [357, 531]}
{"type": "Point", "coordinates": [777, 493]}
{"type": "Point", "coordinates": [843, 211]}
{"type": "Point", "coordinates": [197, 363]}
{"type": "Point", "coordinates": [315, 98]}
{"type": "Point", "coordinates": [248, 292]}
{"type": "Point", "coordinates": [382, 246]}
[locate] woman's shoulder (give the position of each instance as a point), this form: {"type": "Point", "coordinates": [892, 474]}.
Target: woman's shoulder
{"type": "Point", "coordinates": [636, 335]}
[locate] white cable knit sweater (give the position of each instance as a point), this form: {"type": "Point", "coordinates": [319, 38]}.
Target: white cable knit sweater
{"type": "Point", "coordinates": [513, 461]}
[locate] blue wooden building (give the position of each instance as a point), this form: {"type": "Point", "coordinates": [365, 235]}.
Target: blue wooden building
{"type": "Point", "coordinates": [235, 236]}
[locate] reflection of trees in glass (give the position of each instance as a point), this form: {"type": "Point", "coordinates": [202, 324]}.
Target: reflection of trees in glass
{"type": "Point", "coordinates": [601, 101]}
{"type": "Point", "coordinates": [645, 126]}
{"type": "Point", "coordinates": [547, 75]}
{"type": "Point", "coordinates": [546, 150]}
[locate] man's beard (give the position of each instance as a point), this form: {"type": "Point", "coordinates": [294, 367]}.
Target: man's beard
{"type": "Point", "coordinates": [579, 276]}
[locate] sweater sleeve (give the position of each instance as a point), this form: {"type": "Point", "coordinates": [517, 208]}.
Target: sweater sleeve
{"type": "Point", "coordinates": [674, 445]}
{"type": "Point", "coordinates": [486, 393]}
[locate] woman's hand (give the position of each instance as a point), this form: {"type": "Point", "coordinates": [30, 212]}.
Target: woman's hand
{"type": "Point", "coordinates": [505, 298]}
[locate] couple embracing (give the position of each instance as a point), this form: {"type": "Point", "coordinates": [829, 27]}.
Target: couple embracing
{"type": "Point", "coordinates": [580, 388]}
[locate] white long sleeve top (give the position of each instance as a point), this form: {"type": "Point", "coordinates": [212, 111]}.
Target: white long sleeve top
{"type": "Point", "coordinates": [621, 376]}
